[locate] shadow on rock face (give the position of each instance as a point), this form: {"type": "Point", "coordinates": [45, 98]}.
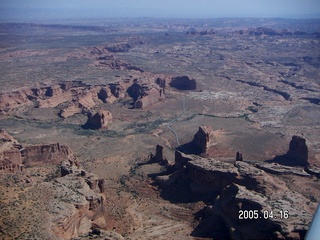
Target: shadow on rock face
{"type": "Point", "coordinates": [297, 154]}
{"type": "Point", "coordinates": [189, 148]}
{"type": "Point", "coordinates": [210, 226]}
{"type": "Point", "coordinates": [183, 83]}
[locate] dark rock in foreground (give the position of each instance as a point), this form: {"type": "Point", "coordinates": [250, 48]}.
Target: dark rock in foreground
{"type": "Point", "coordinates": [248, 202]}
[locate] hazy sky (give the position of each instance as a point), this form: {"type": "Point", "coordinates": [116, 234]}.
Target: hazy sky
{"type": "Point", "coordinates": [10, 9]}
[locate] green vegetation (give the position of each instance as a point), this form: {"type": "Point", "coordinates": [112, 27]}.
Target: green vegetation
{"type": "Point", "coordinates": [145, 127]}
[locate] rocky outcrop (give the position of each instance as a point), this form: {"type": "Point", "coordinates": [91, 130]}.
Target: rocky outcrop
{"type": "Point", "coordinates": [72, 109]}
{"type": "Point", "coordinates": [193, 31]}
{"type": "Point", "coordinates": [208, 175]}
{"type": "Point", "coordinates": [313, 170]}
{"type": "Point", "coordinates": [73, 201]}
{"type": "Point", "coordinates": [104, 94]}
{"type": "Point", "coordinates": [158, 157]}
{"type": "Point", "coordinates": [117, 64]}
{"type": "Point", "coordinates": [16, 99]}
{"type": "Point", "coordinates": [149, 97]}
{"type": "Point", "coordinates": [53, 91]}
{"type": "Point", "coordinates": [46, 153]}
{"type": "Point", "coordinates": [279, 169]}
{"type": "Point", "coordinates": [183, 83]}
{"type": "Point", "coordinates": [50, 96]}
{"type": "Point", "coordinates": [277, 217]}
{"type": "Point", "coordinates": [83, 205]}
{"type": "Point", "coordinates": [261, 31]}
{"type": "Point", "coordinates": [297, 154]}
{"type": "Point", "coordinates": [144, 95]}
{"type": "Point", "coordinates": [117, 90]}
{"type": "Point", "coordinates": [241, 187]}
{"type": "Point", "coordinates": [10, 157]}
{"type": "Point", "coordinates": [136, 90]}
{"type": "Point", "coordinates": [73, 167]}
{"type": "Point", "coordinates": [75, 97]}
{"type": "Point", "coordinates": [119, 47]}
{"type": "Point", "coordinates": [14, 156]}
{"type": "Point", "coordinates": [98, 120]}
{"type": "Point", "coordinates": [201, 139]}
{"type": "Point", "coordinates": [298, 151]}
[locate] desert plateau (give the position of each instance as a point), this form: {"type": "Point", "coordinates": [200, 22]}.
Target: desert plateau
{"type": "Point", "coordinates": [159, 129]}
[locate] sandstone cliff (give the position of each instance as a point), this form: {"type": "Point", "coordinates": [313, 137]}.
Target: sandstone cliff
{"type": "Point", "coordinates": [14, 156]}
{"type": "Point", "coordinates": [46, 153]}
{"type": "Point", "coordinates": [10, 157]}
{"type": "Point", "coordinates": [75, 97]}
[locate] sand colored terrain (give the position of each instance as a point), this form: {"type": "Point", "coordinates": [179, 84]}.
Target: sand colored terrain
{"type": "Point", "coordinates": [199, 91]}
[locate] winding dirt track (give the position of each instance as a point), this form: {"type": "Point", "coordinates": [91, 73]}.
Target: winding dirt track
{"type": "Point", "coordinates": [176, 119]}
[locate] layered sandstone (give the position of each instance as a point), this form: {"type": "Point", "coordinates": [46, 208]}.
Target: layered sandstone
{"type": "Point", "coordinates": [99, 120]}
{"type": "Point", "coordinates": [144, 95]}
{"type": "Point", "coordinates": [14, 156]}
{"type": "Point", "coordinates": [45, 153]}
{"type": "Point", "coordinates": [10, 157]}
{"type": "Point", "coordinates": [84, 204]}
{"type": "Point", "coordinates": [75, 97]}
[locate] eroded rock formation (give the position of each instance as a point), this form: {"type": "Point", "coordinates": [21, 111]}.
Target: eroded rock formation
{"type": "Point", "coordinates": [125, 47]}
{"type": "Point", "coordinates": [298, 151]}
{"type": "Point", "coordinates": [183, 83]}
{"type": "Point", "coordinates": [240, 186]}
{"type": "Point", "coordinates": [10, 157]}
{"type": "Point", "coordinates": [260, 31]}
{"type": "Point", "coordinates": [76, 97]}
{"type": "Point", "coordinates": [193, 31]}
{"type": "Point", "coordinates": [158, 157]}
{"type": "Point", "coordinates": [14, 156]}
{"type": "Point", "coordinates": [98, 120]}
{"type": "Point", "coordinates": [45, 153]}
{"type": "Point", "coordinates": [297, 154]}
{"type": "Point", "coordinates": [74, 198]}
{"type": "Point", "coordinates": [84, 204]}
{"type": "Point", "coordinates": [144, 95]}
{"type": "Point", "coordinates": [201, 139]}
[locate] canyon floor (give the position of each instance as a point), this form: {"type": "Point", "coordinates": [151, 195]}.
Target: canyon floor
{"type": "Point", "coordinates": [257, 85]}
